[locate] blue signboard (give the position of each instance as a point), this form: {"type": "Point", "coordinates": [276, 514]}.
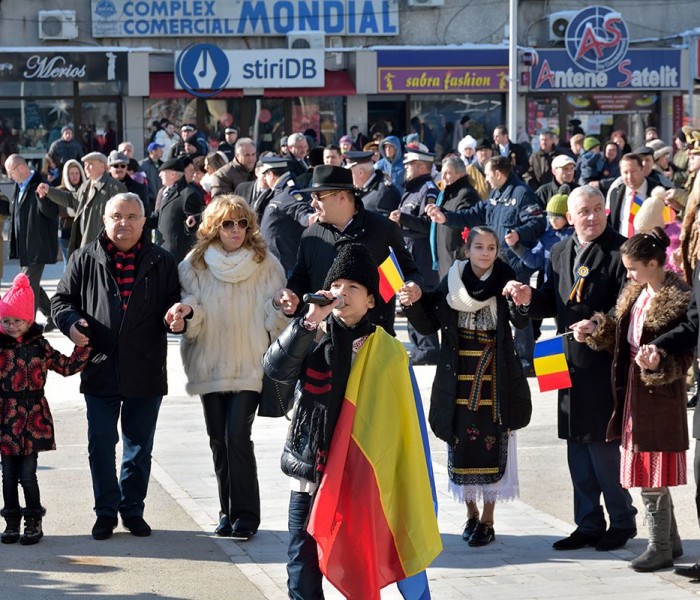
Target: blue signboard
{"type": "Point", "coordinates": [597, 57]}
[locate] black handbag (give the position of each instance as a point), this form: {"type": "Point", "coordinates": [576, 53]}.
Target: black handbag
{"type": "Point", "coordinates": [276, 398]}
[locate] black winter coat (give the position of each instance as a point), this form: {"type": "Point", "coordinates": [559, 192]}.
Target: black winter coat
{"type": "Point", "coordinates": [380, 195]}
{"type": "Point", "coordinates": [33, 226]}
{"type": "Point", "coordinates": [171, 216]}
{"type": "Point", "coordinates": [134, 342]}
{"type": "Point", "coordinates": [432, 313]}
{"type": "Point", "coordinates": [320, 244]}
{"type": "Point", "coordinates": [585, 408]}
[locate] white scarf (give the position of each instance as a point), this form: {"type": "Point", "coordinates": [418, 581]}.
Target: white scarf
{"type": "Point", "coordinates": [230, 268]}
{"type": "Point", "coordinates": [457, 296]}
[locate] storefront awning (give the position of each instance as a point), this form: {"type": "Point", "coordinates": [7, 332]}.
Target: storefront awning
{"type": "Point", "coordinates": [338, 83]}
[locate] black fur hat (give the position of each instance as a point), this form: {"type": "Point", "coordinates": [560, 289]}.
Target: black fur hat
{"type": "Point", "coordinates": [354, 262]}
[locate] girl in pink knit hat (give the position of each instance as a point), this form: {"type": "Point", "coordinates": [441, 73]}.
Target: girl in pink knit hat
{"type": "Point", "coordinates": [26, 425]}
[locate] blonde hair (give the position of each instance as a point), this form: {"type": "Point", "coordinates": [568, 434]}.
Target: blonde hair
{"type": "Point", "coordinates": [221, 208]}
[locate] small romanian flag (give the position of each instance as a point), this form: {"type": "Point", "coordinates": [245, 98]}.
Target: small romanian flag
{"type": "Point", "coordinates": [390, 276]}
{"type": "Point", "coordinates": [635, 206]}
{"type": "Point", "coordinates": [669, 215]}
{"type": "Point", "coordinates": [550, 365]}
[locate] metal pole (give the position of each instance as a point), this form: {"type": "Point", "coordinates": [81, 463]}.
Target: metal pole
{"type": "Point", "coordinates": [692, 69]}
{"type": "Point", "coordinates": [513, 71]}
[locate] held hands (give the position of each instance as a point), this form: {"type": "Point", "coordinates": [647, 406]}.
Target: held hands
{"type": "Point", "coordinates": [286, 300]}
{"type": "Point", "coordinates": [435, 213]}
{"type": "Point", "coordinates": [175, 317]}
{"type": "Point", "coordinates": [583, 329]}
{"type": "Point", "coordinates": [76, 336]}
{"type": "Point", "coordinates": [519, 292]}
{"type": "Point", "coordinates": [648, 357]}
{"type": "Point", "coordinates": [41, 190]}
{"type": "Point", "coordinates": [409, 293]}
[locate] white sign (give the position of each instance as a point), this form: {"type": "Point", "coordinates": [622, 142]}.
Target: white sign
{"type": "Point", "coordinates": [200, 18]}
{"type": "Point", "coordinates": [203, 67]}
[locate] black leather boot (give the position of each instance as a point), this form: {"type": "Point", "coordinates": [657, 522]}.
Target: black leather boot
{"type": "Point", "coordinates": [32, 526]}
{"type": "Point", "coordinates": [12, 518]}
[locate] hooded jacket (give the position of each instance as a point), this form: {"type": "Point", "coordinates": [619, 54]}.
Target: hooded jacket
{"type": "Point", "coordinates": [393, 168]}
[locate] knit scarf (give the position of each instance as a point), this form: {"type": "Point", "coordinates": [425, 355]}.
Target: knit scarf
{"type": "Point", "coordinates": [324, 382]}
{"type": "Point", "coordinates": [468, 293]}
{"type": "Point", "coordinates": [230, 268]}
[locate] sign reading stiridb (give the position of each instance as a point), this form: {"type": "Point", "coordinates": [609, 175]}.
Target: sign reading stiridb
{"type": "Point", "coordinates": [197, 18]}
{"type": "Point", "coordinates": [205, 69]}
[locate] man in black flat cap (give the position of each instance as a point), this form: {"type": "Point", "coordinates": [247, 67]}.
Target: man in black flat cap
{"type": "Point", "coordinates": [286, 213]}
{"type": "Point", "coordinates": [175, 203]}
{"type": "Point", "coordinates": [342, 218]}
{"type": "Point", "coordinates": [379, 195]}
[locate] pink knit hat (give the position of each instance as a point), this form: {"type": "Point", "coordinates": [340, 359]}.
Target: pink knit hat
{"type": "Point", "coordinates": [18, 301]}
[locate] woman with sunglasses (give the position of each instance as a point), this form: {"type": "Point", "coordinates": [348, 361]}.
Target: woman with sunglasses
{"type": "Point", "coordinates": [229, 279]}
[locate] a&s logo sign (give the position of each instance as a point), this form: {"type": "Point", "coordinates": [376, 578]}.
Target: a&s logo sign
{"type": "Point", "coordinates": [597, 39]}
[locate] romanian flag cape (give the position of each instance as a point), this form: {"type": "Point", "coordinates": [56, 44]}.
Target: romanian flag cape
{"type": "Point", "coordinates": [374, 517]}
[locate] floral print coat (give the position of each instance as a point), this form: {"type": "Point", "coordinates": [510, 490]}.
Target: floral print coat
{"type": "Point", "coordinates": [26, 424]}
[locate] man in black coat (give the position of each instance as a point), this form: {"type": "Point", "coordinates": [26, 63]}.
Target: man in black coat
{"type": "Point", "coordinates": [633, 183]}
{"type": "Point", "coordinates": [116, 295]}
{"type": "Point", "coordinates": [33, 230]}
{"type": "Point", "coordinates": [445, 242]}
{"type": "Point", "coordinates": [515, 153]}
{"type": "Point", "coordinates": [586, 275]}
{"type": "Point", "coordinates": [118, 163]}
{"type": "Point", "coordinates": [563, 173]}
{"type": "Point", "coordinates": [342, 219]}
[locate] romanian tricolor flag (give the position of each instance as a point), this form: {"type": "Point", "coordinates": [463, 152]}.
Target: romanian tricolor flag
{"type": "Point", "coordinates": [550, 364]}
{"type": "Point", "coordinates": [390, 276]}
{"type": "Point", "coordinates": [374, 517]}
{"type": "Point", "coordinates": [669, 215]}
{"type": "Point", "coordinates": [635, 206]}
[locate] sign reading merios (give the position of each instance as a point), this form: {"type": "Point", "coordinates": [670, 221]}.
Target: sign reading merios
{"type": "Point", "coordinates": [65, 66]}
{"type": "Point", "coordinates": [597, 57]}
{"type": "Point", "coordinates": [159, 18]}
{"type": "Point", "coordinates": [204, 69]}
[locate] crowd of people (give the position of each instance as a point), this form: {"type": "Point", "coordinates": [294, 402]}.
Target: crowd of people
{"type": "Point", "coordinates": [173, 243]}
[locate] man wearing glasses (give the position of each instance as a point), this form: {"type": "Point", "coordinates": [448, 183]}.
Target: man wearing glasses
{"type": "Point", "coordinates": [118, 162]}
{"type": "Point", "coordinates": [88, 201]}
{"type": "Point", "coordinates": [116, 295]}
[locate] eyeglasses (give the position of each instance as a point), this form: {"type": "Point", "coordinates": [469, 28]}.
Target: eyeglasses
{"type": "Point", "coordinates": [116, 218]}
{"type": "Point", "coordinates": [11, 171]}
{"type": "Point", "coordinates": [11, 322]}
{"type": "Point", "coordinates": [119, 166]}
{"type": "Point", "coordinates": [229, 224]}
{"type": "Point", "coordinates": [318, 197]}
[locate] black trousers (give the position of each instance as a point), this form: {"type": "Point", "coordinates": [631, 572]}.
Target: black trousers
{"type": "Point", "coordinates": [229, 420]}
{"type": "Point", "coordinates": [20, 470]}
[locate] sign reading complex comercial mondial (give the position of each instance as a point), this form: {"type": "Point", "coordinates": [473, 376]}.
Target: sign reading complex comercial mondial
{"type": "Point", "coordinates": [598, 57]}
{"type": "Point", "coordinates": [197, 18]}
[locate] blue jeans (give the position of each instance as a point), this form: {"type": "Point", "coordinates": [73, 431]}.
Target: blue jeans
{"type": "Point", "coordinates": [138, 424]}
{"type": "Point", "coordinates": [595, 470]}
{"type": "Point", "coordinates": [20, 470]}
{"type": "Point", "coordinates": [304, 576]}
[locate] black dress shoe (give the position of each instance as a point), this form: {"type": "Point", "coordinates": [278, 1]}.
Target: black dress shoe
{"type": "Point", "coordinates": [469, 528]}
{"type": "Point", "coordinates": [693, 402]}
{"type": "Point", "coordinates": [104, 527]}
{"type": "Point", "coordinates": [615, 538]}
{"type": "Point", "coordinates": [577, 540]}
{"type": "Point", "coordinates": [137, 526]}
{"type": "Point", "coordinates": [242, 530]}
{"type": "Point", "coordinates": [483, 534]}
{"type": "Point", "coordinates": [693, 571]}
{"type": "Point", "coordinates": [224, 527]}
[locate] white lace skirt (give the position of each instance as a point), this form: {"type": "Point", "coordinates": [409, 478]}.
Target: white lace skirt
{"type": "Point", "coordinates": [505, 489]}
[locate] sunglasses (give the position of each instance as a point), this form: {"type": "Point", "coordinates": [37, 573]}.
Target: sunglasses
{"type": "Point", "coordinates": [317, 197]}
{"type": "Point", "coordinates": [119, 166]}
{"type": "Point", "coordinates": [229, 224]}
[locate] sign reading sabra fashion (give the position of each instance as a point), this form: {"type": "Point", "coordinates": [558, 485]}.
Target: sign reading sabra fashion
{"type": "Point", "coordinates": [598, 57]}
{"type": "Point", "coordinates": [63, 66]}
{"type": "Point", "coordinates": [442, 71]}
{"type": "Point", "coordinates": [205, 69]}
{"type": "Point", "coordinates": [197, 18]}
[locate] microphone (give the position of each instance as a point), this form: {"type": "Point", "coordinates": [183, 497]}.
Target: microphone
{"type": "Point", "coordinates": [321, 300]}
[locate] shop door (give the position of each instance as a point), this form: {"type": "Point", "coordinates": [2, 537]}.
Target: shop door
{"type": "Point", "coordinates": [99, 124]}
{"type": "Point", "coordinates": [387, 117]}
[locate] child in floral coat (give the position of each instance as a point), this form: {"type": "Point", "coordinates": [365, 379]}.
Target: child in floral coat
{"type": "Point", "coordinates": [26, 425]}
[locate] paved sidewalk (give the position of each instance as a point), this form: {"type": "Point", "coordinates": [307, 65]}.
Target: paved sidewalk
{"type": "Point", "coordinates": [183, 560]}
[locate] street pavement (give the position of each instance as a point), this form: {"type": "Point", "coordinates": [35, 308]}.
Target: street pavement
{"type": "Point", "coordinates": [184, 560]}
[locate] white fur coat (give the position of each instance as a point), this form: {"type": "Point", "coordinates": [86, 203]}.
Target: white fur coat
{"type": "Point", "coordinates": [233, 319]}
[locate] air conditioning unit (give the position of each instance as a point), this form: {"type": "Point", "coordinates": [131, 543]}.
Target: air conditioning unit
{"type": "Point", "coordinates": [305, 40]}
{"type": "Point", "coordinates": [57, 25]}
{"type": "Point", "coordinates": [425, 3]}
{"type": "Point", "coordinates": [557, 23]}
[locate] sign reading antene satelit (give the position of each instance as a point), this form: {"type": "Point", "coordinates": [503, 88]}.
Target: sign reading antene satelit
{"type": "Point", "coordinates": [197, 18]}
{"type": "Point", "coordinates": [598, 57]}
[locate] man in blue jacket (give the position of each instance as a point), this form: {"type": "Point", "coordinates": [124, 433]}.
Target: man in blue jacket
{"type": "Point", "coordinates": [514, 212]}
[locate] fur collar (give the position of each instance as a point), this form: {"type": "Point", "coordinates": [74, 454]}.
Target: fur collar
{"type": "Point", "coordinates": [669, 304]}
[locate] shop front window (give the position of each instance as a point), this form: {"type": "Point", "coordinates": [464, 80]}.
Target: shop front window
{"type": "Point", "coordinates": [437, 118]}
{"type": "Point", "coordinates": [322, 115]}
{"type": "Point", "coordinates": [222, 113]}
{"type": "Point", "coordinates": [98, 126]}
{"type": "Point", "coordinates": [176, 110]}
